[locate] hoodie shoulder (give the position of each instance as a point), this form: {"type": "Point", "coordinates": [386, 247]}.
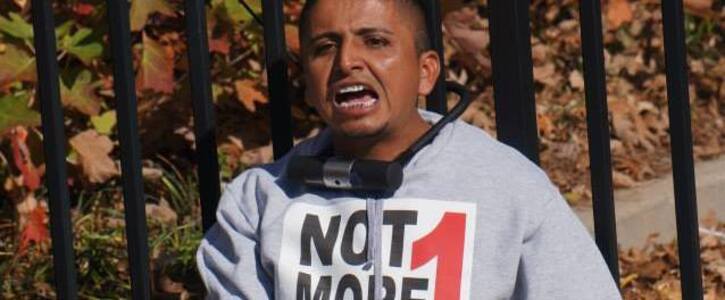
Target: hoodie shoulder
{"type": "Point", "coordinates": [475, 153]}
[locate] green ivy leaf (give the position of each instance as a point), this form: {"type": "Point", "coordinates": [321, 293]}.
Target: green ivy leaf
{"type": "Point", "coordinates": [82, 95]}
{"type": "Point", "coordinates": [16, 65]}
{"type": "Point", "coordinates": [16, 26]}
{"type": "Point", "coordinates": [75, 45]}
{"type": "Point", "coordinates": [14, 111]}
{"type": "Point", "coordinates": [105, 122]}
{"type": "Point", "coordinates": [64, 29]}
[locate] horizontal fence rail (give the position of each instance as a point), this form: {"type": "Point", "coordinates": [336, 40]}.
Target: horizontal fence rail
{"type": "Point", "coordinates": [683, 170]}
{"type": "Point", "coordinates": [600, 158]}
{"type": "Point", "coordinates": [54, 142]}
{"type": "Point", "coordinates": [125, 92]}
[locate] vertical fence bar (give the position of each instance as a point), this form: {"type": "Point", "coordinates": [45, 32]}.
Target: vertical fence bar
{"type": "Point", "coordinates": [436, 101]}
{"type": "Point", "coordinates": [54, 142]}
{"type": "Point", "coordinates": [513, 78]}
{"type": "Point", "coordinates": [204, 115]}
{"type": "Point", "coordinates": [600, 159]}
{"type": "Point", "coordinates": [125, 91]}
{"type": "Point", "coordinates": [279, 86]}
{"type": "Point", "coordinates": [681, 140]}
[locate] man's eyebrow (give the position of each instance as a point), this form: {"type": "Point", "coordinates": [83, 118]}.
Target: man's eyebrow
{"type": "Point", "coordinates": [328, 35]}
{"type": "Point", "coordinates": [362, 31]}
{"type": "Point", "coordinates": [369, 30]}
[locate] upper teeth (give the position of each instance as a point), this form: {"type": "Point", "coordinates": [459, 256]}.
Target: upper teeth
{"type": "Point", "coordinates": [352, 89]}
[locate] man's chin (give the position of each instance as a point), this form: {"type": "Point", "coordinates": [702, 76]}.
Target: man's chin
{"type": "Point", "coordinates": [361, 132]}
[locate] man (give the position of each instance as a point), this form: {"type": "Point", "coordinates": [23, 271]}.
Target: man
{"type": "Point", "coordinates": [473, 219]}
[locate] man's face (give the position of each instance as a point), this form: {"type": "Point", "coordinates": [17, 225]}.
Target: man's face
{"type": "Point", "coordinates": [362, 71]}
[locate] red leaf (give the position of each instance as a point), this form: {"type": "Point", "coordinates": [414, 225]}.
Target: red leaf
{"type": "Point", "coordinates": [35, 229]}
{"type": "Point", "coordinates": [21, 156]}
{"type": "Point", "coordinates": [219, 45]}
{"type": "Point", "coordinates": [83, 9]}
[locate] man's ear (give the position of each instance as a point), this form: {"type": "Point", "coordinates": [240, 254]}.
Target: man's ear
{"type": "Point", "coordinates": [430, 69]}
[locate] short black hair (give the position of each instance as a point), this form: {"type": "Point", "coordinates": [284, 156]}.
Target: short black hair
{"type": "Point", "coordinates": [422, 37]}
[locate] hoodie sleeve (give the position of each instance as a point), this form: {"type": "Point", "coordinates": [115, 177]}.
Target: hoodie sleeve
{"type": "Point", "coordinates": [560, 260]}
{"type": "Point", "coordinates": [228, 257]}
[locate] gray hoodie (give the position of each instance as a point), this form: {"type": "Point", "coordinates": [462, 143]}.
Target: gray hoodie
{"type": "Point", "coordinates": [473, 219]}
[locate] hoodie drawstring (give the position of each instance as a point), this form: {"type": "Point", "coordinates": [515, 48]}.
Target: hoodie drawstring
{"type": "Point", "coordinates": [374, 251]}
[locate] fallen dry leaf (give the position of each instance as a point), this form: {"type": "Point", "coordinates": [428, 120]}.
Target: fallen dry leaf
{"type": "Point", "coordinates": [35, 229]}
{"type": "Point", "coordinates": [291, 34]}
{"type": "Point", "coordinates": [140, 11]}
{"type": "Point", "coordinates": [220, 45]}
{"type": "Point", "coordinates": [698, 7]}
{"type": "Point", "coordinates": [576, 80]}
{"type": "Point", "coordinates": [162, 212]}
{"type": "Point", "coordinates": [248, 94]}
{"type": "Point", "coordinates": [93, 154]}
{"type": "Point", "coordinates": [21, 157]}
{"type": "Point", "coordinates": [463, 27]}
{"type": "Point", "coordinates": [618, 13]}
{"type": "Point", "coordinates": [257, 156]}
{"type": "Point", "coordinates": [156, 69]}
{"type": "Point", "coordinates": [622, 180]}
{"type": "Point", "coordinates": [81, 95]}
{"type": "Point", "coordinates": [83, 9]}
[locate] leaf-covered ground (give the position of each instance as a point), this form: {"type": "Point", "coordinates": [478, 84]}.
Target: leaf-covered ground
{"type": "Point", "coordinates": [636, 89]}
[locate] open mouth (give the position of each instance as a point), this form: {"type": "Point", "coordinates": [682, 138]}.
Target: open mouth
{"type": "Point", "coordinates": [356, 96]}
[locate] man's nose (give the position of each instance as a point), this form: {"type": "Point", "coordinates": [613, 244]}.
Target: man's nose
{"type": "Point", "coordinates": [349, 59]}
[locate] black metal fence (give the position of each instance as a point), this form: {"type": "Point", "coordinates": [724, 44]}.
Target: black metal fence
{"type": "Point", "coordinates": [515, 118]}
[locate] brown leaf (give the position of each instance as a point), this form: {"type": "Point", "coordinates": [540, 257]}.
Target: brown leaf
{"type": "Point", "coordinates": [451, 5]}
{"type": "Point", "coordinates": [291, 36]}
{"type": "Point", "coordinates": [248, 94]}
{"type": "Point", "coordinates": [141, 9]}
{"type": "Point", "coordinates": [622, 180]}
{"type": "Point", "coordinates": [15, 65]}
{"type": "Point", "coordinates": [618, 13]}
{"type": "Point", "coordinates": [93, 150]}
{"type": "Point", "coordinates": [21, 3]}
{"type": "Point", "coordinates": [698, 7]}
{"type": "Point", "coordinates": [576, 80]}
{"type": "Point", "coordinates": [162, 212]}
{"type": "Point", "coordinates": [167, 285]}
{"type": "Point", "coordinates": [546, 74]}
{"type": "Point", "coordinates": [257, 156]}
{"type": "Point", "coordinates": [462, 26]}
{"type": "Point", "coordinates": [653, 270]}
{"type": "Point", "coordinates": [156, 71]}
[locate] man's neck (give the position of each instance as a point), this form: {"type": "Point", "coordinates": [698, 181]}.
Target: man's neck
{"type": "Point", "coordinates": [384, 147]}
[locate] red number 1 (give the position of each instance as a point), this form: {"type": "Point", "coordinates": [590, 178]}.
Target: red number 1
{"type": "Point", "coordinates": [446, 242]}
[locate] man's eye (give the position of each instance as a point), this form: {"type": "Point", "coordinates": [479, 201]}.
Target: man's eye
{"type": "Point", "coordinates": [376, 42]}
{"type": "Point", "coordinates": [322, 48]}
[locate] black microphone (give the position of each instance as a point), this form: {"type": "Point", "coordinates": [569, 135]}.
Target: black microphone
{"type": "Point", "coordinates": [364, 174]}
{"type": "Point", "coordinates": [350, 174]}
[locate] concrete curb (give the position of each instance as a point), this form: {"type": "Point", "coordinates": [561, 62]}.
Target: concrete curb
{"type": "Point", "coordinates": [649, 208]}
